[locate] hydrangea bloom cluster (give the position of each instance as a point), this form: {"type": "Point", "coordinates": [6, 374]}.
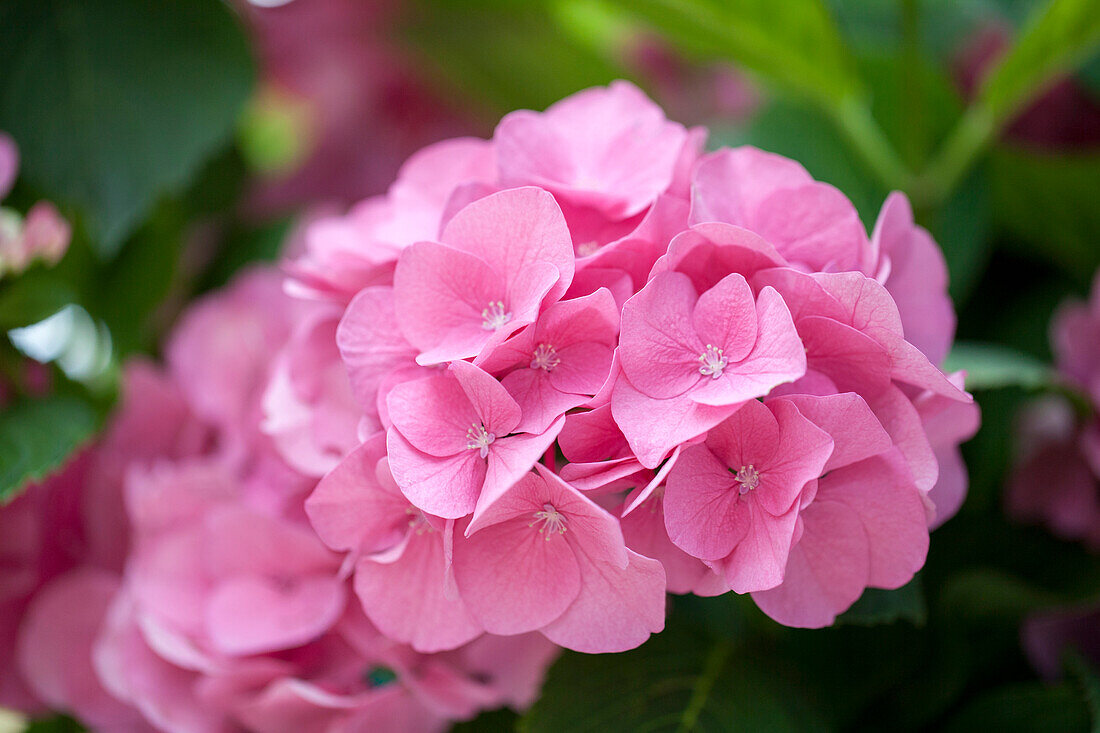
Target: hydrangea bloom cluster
{"type": "Point", "coordinates": [590, 363]}
{"type": "Point", "coordinates": [1057, 481]}
{"type": "Point", "coordinates": [169, 579]}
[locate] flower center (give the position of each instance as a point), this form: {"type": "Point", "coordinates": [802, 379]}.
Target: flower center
{"type": "Point", "coordinates": [545, 358]}
{"type": "Point", "coordinates": [550, 521]}
{"type": "Point", "coordinates": [494, 316]}
{"type": "Point", "coordinates": [479, 439]}
{"type": "Point", "coordinates": [713, 362]}
{"type": "Point", "coordinates": [418, 523]}
{"type": "Point", "coordinates": [748, 477]}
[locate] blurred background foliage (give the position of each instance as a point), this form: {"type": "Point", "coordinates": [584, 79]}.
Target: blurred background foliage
{"type": "Point", "coordinates": [149, 124]}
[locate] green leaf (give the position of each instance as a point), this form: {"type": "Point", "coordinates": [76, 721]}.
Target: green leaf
{"type": "Point", "coordinates": [1058, 36]}
{"type": "Point", "coordinates": [1024, 708]}
{"type": "Point", "coordinates": [56, 724]}
{"type": "Point", "coordinates": [37, 436]}
{"type": "Point", "coordinates": [877, 606]}
{"type": "Point", "coordinates": [1047, 202]}
{"type": "Point", "coordinates": [989, 366]}
{"type": "Point", "coordinates": [794, 45]}
{"type": "Point", "coordinates": [494, 721]}
{"type": "Point", "coordinates": [1089, 682]}
{"type": "Point", "coordinates": [677, 681]}
{"type": "Point", "coordinates": [116, 102]}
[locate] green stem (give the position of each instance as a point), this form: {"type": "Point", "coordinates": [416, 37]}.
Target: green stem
{"type": "Point", "coordinates": [716, 660]}
{"type": "Point", "coordinates": [914, 142]}
{"type": "Point", "coordinates": [971, 136]}
{"type": "Point", "coordinates": [854, 120]}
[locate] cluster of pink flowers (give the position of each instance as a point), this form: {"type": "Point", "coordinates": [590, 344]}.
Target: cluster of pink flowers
{"type": "Point", "coordinates": [168, 579]}
{"type": "Point", "coordinates": [499, 410]}
{"type": "Point", "coordinates": [590, 363]}
{"type": "Point", "coordinates": [1057, 481]}
{"type": "Point", "coordinates": [41, 235]}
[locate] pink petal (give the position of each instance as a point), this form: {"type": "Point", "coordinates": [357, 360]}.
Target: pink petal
{"type": "Point", "coordinates": [645, 533]}
{"type": "Point", "coordinates": [826, 572]}
{"type": "Point", "coordinates": [856, 432]}
{"type": "Point", "coordinates": [704, 513]}
{"type": "Point", "coordinates": [617, 608]}
{"type": "Point", "coordinates": [513, 230]}
{"type": "Point", "coordinates": [707, 250]}
{"type": "Point", "coordinates": [433, 414]}
{"type": "Point", "coordinates": [405, 598]}
{"type": "Point", "coordinates": [654, 427]}
{"type": "Point", "coordinates": [659, 349]}
{"type": "Point", "coordinates": [541, 403]}
{"type": "Point", "coordinates": [252, 615]}
{"type": "Point", "coordinates": [371, 344]}
{"type": "Point", "coordinates": [515, 578]}
{"type": "Point", "coordinates": [725, 316]}
{"type": "Point", "coordinates": [495, 409]}
{"type": "Point", "coordinates": [881, 494]}
{"type": "Point", "coordinates": [351, 510]}
{"type": "Point", "coordinates": [446, 487]}
{"type": "Point", "coordinates": [759, 560]}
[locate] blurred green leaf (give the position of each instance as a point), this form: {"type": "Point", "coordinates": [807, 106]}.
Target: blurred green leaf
{"type": "Point", "coordinates": [31, 297]}
{"type": "Point", "coordinates": [878, 606]}
{"type": "Point", "coordinates": [1030, 707]}
{"type": "Point", "coordinates": [1049, 202]}
{"type": "Point", "coordinates": [38, 435]}
{"type": "Point", "coordinates": [677, 681]}
{"type": "Point", "coordinates": [131, 287]}
{"type": "Point", "coordinates": [982, 595]}
{"type": "Point", "coordinates": [1057, 37]}
{"type": "Point", "coordinates": [116, 102]}
{"type": "Point", "coordinates": [990, 366]}
{"type": "Point", "coordinates": [1089, 682]}
{"type": "Point", "coordinates": [794, 45]}
{"type": "Point", "coordinates": [506, 54]}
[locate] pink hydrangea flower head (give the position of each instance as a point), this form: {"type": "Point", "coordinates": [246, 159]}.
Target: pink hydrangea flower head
{"type": "Point", "coordinates": [499, 260]}
{"type": "Point", "coordinates": [608, 148]}
{"type": "Point", "coordinates": [461, 425]}
{"type": "Point", "coordinates": [913, 269]}
{"type": "Point", "coordinates": [689, 359]}
{"type": "Point", "coordinates": [733, 499]}
{"type": "Point", "coordinates": [811, 224]}
{"type": "Point", "coordinates": [544, 557]}
{"type": "Point", "coordinates": [559, 362]}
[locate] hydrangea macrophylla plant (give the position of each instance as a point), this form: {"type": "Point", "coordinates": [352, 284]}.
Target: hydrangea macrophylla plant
{"type": "Point", "coordinates": [712, 342]}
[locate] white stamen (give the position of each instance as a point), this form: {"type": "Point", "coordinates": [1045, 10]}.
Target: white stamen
{"type": "Point", "coordinates": [551, 520]}
{"type": "Point", "coordinates": [748, 477]}
{"type": "Point", "coordinates": [479, 439]}
{"type": "Point", "coordinates": [713, 362]}
{"type": "Point", "coordinates": [494, 316]}
{"type": "Point", "coordinates": [545, 358]}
